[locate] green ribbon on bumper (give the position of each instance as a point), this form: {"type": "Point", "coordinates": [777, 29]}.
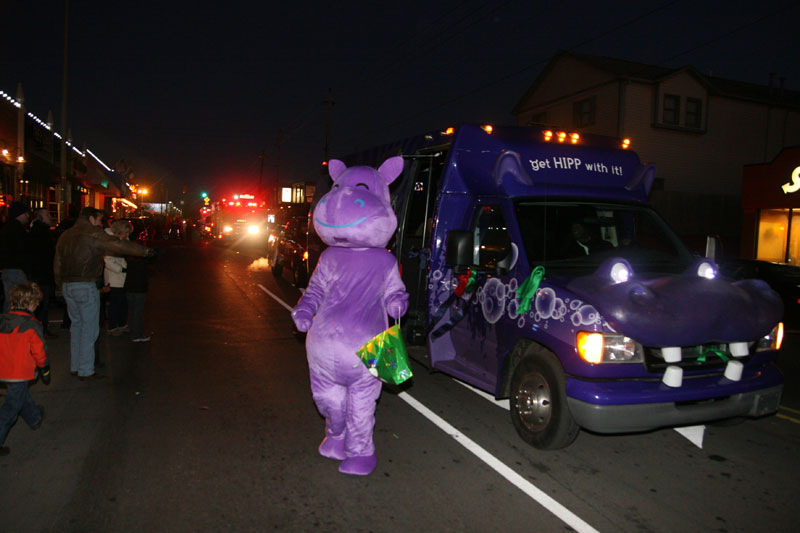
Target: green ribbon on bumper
{"type": "Point", "coordinates": [712, 351]}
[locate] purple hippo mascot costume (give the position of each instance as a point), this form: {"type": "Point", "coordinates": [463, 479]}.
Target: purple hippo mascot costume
{"type": "Point", "coordinates": [354, 286]}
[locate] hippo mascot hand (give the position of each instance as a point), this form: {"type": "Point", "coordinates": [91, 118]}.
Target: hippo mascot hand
{"type": "Point", "coordinates": [353, 287]}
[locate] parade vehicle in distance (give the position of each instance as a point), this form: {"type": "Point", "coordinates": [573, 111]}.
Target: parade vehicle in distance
{"type": "Point", "coordinates": [242, 218]}
{"type": "Point", "coordinates": [538, 272]}
{"type": "Point", "coordinates": [288, 251]}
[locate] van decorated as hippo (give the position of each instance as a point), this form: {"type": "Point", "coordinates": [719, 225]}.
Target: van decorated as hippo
{"type": "Point", "coordinates": [538, 272]}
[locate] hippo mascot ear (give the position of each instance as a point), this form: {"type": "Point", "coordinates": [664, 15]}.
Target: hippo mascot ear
{"type": "Point", "coordinates": [335, 168]}
{"type": "Point", "coordinates": [390, 169]}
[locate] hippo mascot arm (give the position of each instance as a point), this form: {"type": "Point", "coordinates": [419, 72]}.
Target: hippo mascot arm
{"type": "Point", "coordinates": [396, 297]}
{"type": "Point", "coordinates": [355, 284]}
{"type": "Point", "coordinates": [306, 308]}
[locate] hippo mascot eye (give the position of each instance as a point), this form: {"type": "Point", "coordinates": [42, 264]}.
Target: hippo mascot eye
{"type": "Point", "coordinates": [355, 284]}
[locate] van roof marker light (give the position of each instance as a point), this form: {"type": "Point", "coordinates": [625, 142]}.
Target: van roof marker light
{"type": "Point", "coordinates": [449, 131]}
{"type": "Point", "coordinates": [562, 136]}
{"type": "Point", "coordinates": [574, 138]}
{"type": "Point", "coordinates": [548, 135]}
{"type": "Point", "coordinates": [626, 143]}
{"type": "Point", "coordinates": [487, 128]}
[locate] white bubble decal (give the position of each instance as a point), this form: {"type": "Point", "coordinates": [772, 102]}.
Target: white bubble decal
{"type": "Point", "coordinates": [545, 302]}
{"type": "Point", "coordinates": [493, 304]}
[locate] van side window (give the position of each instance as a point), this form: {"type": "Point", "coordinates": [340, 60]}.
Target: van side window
{"type": "Point", "coordinates": [492, 243]}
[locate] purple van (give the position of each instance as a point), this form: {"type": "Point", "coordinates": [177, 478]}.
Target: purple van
{"type": "Point", "coordinates": [537, 272]}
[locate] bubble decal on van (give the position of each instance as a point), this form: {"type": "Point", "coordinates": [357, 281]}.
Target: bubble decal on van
{"type": "Point", "coordinates": [545, 302]}
{"type": "Point", "coordinates": [585, 316]}
{"type": "Point", "coordinates": [493, 300]}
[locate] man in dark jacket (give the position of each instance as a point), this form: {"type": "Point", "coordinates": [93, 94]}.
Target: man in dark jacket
{"type": "Point", "coordinates": [78, 265]}
{"type": "Point", "coordinates": [14, 259]}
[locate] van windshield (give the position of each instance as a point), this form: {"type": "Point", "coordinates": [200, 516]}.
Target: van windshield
{"type": "Point", "coordinates": [573, 237]}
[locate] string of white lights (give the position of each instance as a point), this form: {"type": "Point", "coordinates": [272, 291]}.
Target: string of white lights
{"type": "Point", "coordinates": [49, 128]}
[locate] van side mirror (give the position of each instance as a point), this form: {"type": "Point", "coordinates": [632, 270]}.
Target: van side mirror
{"type": "Point", "coordinates": [458, 254]}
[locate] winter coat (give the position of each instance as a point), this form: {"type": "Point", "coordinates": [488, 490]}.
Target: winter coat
{"type": "Point", "coordinates": [114, 271]}
{"type": "Point", "coordinates": [42, 246]}
{"type": "Point", "coordinates": [14, 246]}
{"type": "Point", "coordinates": [136, 275]}
{"type": "Point", "coordinates": [80, 251]}
{"type": "Point", "coordinates": [22, 346]}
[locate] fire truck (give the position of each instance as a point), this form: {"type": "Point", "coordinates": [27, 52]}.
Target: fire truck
{"type": "Point", "coordinates": [238, 218]}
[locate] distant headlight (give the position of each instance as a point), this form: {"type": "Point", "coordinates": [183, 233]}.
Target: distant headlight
{"type": "Point", "coordinates": [608, 348]}
{"type": "Point", "coordinates": [227, 229]}
{"type": "Point", "coordinates": [772, 341]}
{"type": "Point", "coordinates": [252, 230]}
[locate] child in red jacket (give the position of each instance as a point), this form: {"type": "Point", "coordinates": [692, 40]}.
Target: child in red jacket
{"type": "Point", "coordinates": [22, 351]}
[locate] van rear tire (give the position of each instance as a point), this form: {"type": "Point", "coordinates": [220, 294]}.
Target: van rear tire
{"type": "Point", "coordinates": [539, 409]}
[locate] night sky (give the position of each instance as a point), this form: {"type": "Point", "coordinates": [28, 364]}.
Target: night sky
{"type": "Point", "coordinates": [190, 93]}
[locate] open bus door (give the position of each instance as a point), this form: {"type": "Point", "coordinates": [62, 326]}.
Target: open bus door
{"type": "Point", "coordinates": [414, 236]}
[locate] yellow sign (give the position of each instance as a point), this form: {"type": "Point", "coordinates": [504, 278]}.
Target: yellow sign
{"type": "Point", "coordinates": [794, 185]}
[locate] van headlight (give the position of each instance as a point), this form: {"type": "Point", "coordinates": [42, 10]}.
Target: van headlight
{"type": "Point", "coordinates": [252, 229]}
{"type": "Point", "coordinates": [608, 348]}
{"type": "Point", "coordinates": [227, 229]}
{"type": "Point", "coordinates": [771, 341]}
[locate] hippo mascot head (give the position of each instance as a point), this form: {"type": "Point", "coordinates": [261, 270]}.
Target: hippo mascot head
{"type": "Point", "coordinates": [355, 285]}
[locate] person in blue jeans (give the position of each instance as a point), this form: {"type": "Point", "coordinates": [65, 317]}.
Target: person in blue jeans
{"type": "Point", "coordinates": [78, 265]}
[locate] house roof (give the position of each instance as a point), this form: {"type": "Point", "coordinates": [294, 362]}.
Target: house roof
{"type": "Point", "coordinates": [642, 72]}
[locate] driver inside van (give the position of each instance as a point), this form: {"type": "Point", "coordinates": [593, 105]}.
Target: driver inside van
{"type": "Point", "coordinates": [584, 239]}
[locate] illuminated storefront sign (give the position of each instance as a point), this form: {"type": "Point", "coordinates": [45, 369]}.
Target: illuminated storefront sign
{"type": "Point", "coordinates": [794, 185]}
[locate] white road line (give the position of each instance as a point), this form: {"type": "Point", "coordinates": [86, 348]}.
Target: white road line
{"type": "Point", "coordinates": [564, 514]}
{"type": "Point", "coordinates": [535, 493]}
{"type": "Point", "coordinates": [274, 297]}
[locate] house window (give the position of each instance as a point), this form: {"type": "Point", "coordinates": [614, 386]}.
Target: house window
{"type": "Point", "coordinates": [583, 112]}
{"type": "Point", "coordinates": [672, 109]}
{"type": "Point", "coordinates": [693, 108]}
{"type": "Point", "coordinates": [539, 119]}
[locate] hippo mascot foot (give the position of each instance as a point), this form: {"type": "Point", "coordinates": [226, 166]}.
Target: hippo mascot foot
{"type": "Point", "coordinates": [332, 449]}
{"type": "Point", "coordinates": [353, 288]}
{"type": "Point", "coordinates": [359, 466]}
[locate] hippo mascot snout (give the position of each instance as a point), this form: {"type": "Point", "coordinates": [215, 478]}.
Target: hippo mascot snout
{"type": "Point", "coordinates": [355, 284]}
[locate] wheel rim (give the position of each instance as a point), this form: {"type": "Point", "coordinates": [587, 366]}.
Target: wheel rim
{"type": "Point", "coordinates": [533, 402]}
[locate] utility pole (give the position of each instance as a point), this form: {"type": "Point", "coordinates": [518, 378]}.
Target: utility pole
{"type": "Point", "coordinates": [330, 103]}
{"type": "Point", "coordinates": [19, 171]}
{"type": "Point", "coordinates": [64, 196]}
{"type": "Point", "coordinates": [278, 168]}
{"type": "Point", "coordinates": [260, 176]}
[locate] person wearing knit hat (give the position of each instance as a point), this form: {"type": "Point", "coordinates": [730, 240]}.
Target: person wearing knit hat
{"type": "Point", "coordinates": [14, 254]}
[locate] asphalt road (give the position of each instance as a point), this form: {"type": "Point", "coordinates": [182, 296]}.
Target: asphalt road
{"type": "Point", "coordinates": [211, 427]}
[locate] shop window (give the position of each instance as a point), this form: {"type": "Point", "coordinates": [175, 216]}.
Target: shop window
{"type": "Point", "coordinates": [672, 109]}
{"type": "Point", "coordinates": [773, 230]}
{"type": "Point", "coordinates": [794, 238]}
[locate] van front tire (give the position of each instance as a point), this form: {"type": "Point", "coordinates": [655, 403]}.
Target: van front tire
{"type": "Point", "coordinates": [539, 409]}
